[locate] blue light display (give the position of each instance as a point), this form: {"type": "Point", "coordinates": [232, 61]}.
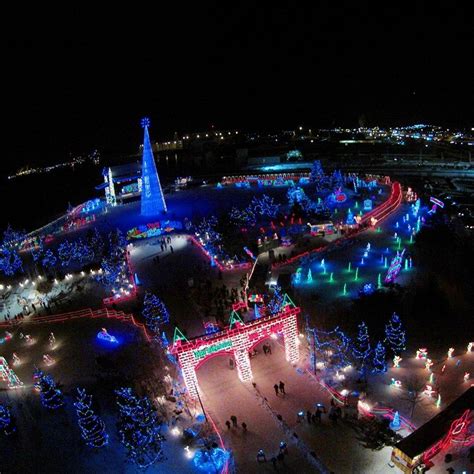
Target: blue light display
{"type": "Point", "coordinates": [152, 201]}
{"type": "Point", "coordinates": [103, 335]}
{"type": "Point", "coordinates": [212, 460]}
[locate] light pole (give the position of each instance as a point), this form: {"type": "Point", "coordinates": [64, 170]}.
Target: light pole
{"type": "Point", "coordinates": [248, 276]}
{"type": "Point", "coordinates": [200, 401]}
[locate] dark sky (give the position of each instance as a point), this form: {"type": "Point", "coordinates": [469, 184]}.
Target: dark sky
{"type": "Point", "coordinates": [243, 66]}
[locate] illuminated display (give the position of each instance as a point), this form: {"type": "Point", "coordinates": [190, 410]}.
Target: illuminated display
{"type": "Point", "coordinates": [237, 340]}
{"type": "Point", "coordinates": [152, 201]}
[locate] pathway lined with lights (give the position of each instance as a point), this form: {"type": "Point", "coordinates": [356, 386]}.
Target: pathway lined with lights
{"type": "Point", "coordinates": [378, 214]}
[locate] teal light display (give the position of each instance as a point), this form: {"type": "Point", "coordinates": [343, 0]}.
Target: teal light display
{"type": "Point", "coordinates": [152, 201]}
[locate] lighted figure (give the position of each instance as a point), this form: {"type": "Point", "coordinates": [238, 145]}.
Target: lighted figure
{"type": "Point", "coordinates": [450, 352]}
{"type": "Point", "coordinates": [396, 383]}
{"type": "Point", "coordinates": [443, 368]}
{"type": "Point", "coordinates": [48, 360]}
{"type": "Point", "coordinates": [362, 261]}
{"type": "Point", "coordinates": [397, 225]}
{"type": "Point", "coordinates": [429, 390]}
{"type": "Point", "coordinates": [467, 375]}
{"type": "Point", "coordinates": [16, 359]}
{"type": "Point", "coordinates": [428, 364]}
{"type": "Point", "coordinates": [309, 278]}
{"type": "Point", "coordinates": [422, 353]}
{"type": "Point", "coordinates": [28, 339]}
{"type": "Point", "coordinates": [395, 423]}
{"type": "Point", "coordinates": [438, 401]}
{"type": "Point", "coordinates": [431, 379]}
{"type": "Point", "coordinates": [368, 247]}
{"type": "Point", "coordinates": [470, 346]}
{"type": "Point", "coordinates": [395, 267]}
{"type": "Point", "coordinates": [366, 254]}
{"type": "Point", "coordinates": [322, 263]}
{"type": "Point", "coordinates": [105, 336]}
{"type": "Point", "coordinates": [52, 340]}
{"type": "Point", "coordinates": [396, 362]}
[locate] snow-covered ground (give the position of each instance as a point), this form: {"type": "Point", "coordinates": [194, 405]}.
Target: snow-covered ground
{"type": "Point", "coordinates": [176, 278]}
{"type": "Point", "coordinates": [49, 441]}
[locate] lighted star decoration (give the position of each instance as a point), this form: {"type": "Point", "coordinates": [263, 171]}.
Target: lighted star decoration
{"type": "Point", "coordinates": [145, 122]}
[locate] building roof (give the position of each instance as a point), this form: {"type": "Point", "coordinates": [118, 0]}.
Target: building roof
{"type": "Point", "coordinates": [124, 171]}
{"type": "Point", "coordinates": [436, 428]}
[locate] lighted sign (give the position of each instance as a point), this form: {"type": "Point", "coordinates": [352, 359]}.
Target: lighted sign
{"type": "Point", "coordinates": [201, 353]}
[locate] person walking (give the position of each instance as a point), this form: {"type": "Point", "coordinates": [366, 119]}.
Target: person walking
{"type": "Point", "coordinates": [233, 418]}
{"type": "Point", "coordinates": [282, 387]}
{"type": "Point", "coordinates": [171, 248]}
{"type": "Point", "coordinates": [228, 424]}
{"type": "Point", "coordinates": [276, 389]}
{"type": "Point", "coordinates": [317, 415]}
{"type": "Point", "coordinates": [308, 416]}
{"type": "Point", "coordinates": [244, 426]}
{"type": "Point", "coordinates": [261, 456]}
{"type": "Point", "coordinates": [269, 349]}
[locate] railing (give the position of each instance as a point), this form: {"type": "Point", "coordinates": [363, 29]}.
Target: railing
{"type": "Point", "coordinates": [220, 266]}
{"type": "Point", "coordinates": [83, 313]}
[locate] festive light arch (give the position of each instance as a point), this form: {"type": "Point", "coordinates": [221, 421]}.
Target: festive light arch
{"type": "Point", "coordinates": [236, 341]}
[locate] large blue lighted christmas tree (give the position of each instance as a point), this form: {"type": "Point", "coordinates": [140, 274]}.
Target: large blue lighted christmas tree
{"type": "Point", "coordinates": [153, 201]}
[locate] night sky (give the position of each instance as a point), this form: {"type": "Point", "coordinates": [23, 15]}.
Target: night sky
{"type": "Point", "coordinates": [234, 67]}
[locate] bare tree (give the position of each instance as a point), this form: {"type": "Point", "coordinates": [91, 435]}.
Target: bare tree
{"type": "Point", "coordinates": [414, 388]}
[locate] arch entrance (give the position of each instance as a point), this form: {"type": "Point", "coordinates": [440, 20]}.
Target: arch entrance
{"type": "Point", "coordinates": [236, 340]}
